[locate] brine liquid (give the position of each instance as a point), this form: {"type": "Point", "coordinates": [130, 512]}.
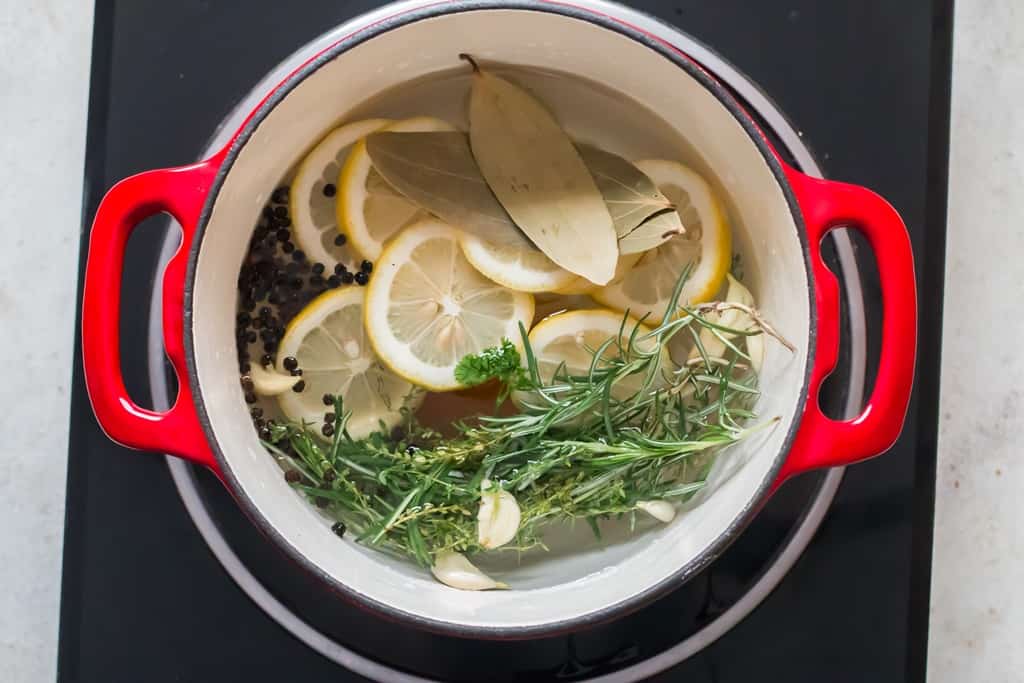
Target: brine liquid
{"type": "Point", "coordinates": [589, 112]}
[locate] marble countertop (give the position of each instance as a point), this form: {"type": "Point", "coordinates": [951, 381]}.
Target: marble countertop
{"type": "Point", "coordinates": [977, 596]}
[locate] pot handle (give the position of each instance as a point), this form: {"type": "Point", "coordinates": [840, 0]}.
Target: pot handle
{"type": "Point", "coordinates": [179, 192]}
{"type": "Point", "coordinates": [822, 441]}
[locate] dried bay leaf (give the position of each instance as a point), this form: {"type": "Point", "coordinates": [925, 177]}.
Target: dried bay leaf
{"type": "Point", "coordinates": [631, 197]}
{"type": "Point", "coordinates": [537, 174]}
{"type": "Point", "coordinates": [654, 231]}
{"type": "Point", "coordinates": [437, 171]}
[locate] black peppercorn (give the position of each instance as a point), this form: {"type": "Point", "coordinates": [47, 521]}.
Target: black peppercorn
{"type": "Point", "coordinates": [250, 397]}
{"type": "Point", "coordinates": [339, 529]}
{"type": "Point", "coordinates": [322, 502]}
{"type": "Point", "coordinates": [409, 450]}
{"type": "Point", "coordinates": [256, 412]}
{"type": "Point", "coordinates": [333, 281]}
{"type": "Point", "coordinates": [251, 337]}
{"type": "Point", "coordinates": [327, 430]}
{"type": "Point", "coordinates": [244, 367]}
{"type": "Point", "coordinates": [247, 383]}
{"type": "Point", "coordinates": [340, 240]}
{"type": "Point", "coordinates": [316, 281]}
{"type": "Point", "coordinates": [328, 400]}
{"type": "Point", "coordinates": [329, 418]}
{"type": "Point", "coordinates": [243, 319]}
{"type": "Point", "coordinates": [297, 372]}
{"type": "Point", "coordinates": [287, 247]}
{"type": "Point", "coordinates": [330, 190]}
{"type": "Point", "coordinates": [318, 269]}
{"type": "Point", "coordinates": [299, 386]}
{"type": "Point", "coordinates": [292, 476]}
{"type": "Point", "coordinates": [347, 278]}
{"type": "Point", "coordinates": [339, 268]}
{"type": "Point", "coordinates": [265, 433]}
{"type": "Point", "coordinates": [290, 362]}
{"type": "Point", "coordinates": [366, 266]}
{"type": "Point", "coordinates": [280, 195]}
{"type": "Point", "coordinates": [362, 278]}
{"type": "Point", "coordinates": [283, 235]}
{"type": "Point", "coordinates": [270, 346]}
{"type": "Point", "coordinates": [266, 359]}
{"type": "Point", "coordinates": [329, 475]}
{"type": "Point", "coordinates": [280, 212]}
{"type": "Point", "coordinates": [268, 212]}
{"type": "Point", "coordinates": [299, 256]}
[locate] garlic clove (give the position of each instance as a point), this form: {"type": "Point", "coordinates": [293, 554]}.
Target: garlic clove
{"type": "Point", "coordinates": [270, 382]}
{"type": "Point", "coordinates": [498, 518]}
{"type": "Point", "coordinates": [453, 569]}
{"type": "Point", "coordinates": [661, 510]}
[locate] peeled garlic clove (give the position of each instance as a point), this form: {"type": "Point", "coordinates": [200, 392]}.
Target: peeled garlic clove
{"type": "Point", "coordinates": [453, 569]}
{"type": "Point", "coordinates": [498, 518]}
{"type": "Point", "coordinates": [661, 510]}
{"type": "Point", "coordinates": [269, 382]}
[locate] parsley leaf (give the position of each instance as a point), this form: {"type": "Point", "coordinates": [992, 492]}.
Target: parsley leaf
{"type": "Point", "coordinates": [496, 362]}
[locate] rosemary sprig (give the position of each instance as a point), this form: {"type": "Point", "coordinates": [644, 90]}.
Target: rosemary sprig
{"type": "Point", "coordinates": [581, 447]}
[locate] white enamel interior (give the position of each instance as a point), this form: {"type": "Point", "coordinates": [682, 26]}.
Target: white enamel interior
{"type": "Point", "coordinates": [563, 585]}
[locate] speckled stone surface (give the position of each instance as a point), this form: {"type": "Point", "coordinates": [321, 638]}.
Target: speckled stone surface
{"type": "Point", "coordinates": [977, 619]}
{"type": "Point", "coordinates": [977, 631]}
{"type": "Point", "coordinates": [44, 75]}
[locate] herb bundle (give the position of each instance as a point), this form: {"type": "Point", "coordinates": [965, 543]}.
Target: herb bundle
{"type": "Point", "coordinates": [576, 450]}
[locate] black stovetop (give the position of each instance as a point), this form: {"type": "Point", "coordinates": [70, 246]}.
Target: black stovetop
{"type": "Point", "coordinates": [866, 81]}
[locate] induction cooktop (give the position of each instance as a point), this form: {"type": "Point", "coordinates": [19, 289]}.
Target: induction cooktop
{"type": "Point", "coordinates": [164, 578]}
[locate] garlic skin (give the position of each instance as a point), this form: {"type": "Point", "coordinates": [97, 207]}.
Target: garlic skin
{"type": "Point", "coordinates": [498, 518]}
{"type": "Point", "coordinates": [270, 382]}
{"type": "Point", "coordinates": [661, 510]}
{"type": "Point", "coordinates": [453, 569]}
{"type": "Point", "coordinates": [755, 349]}
{"type": "Point", "coordinates": [737, 320]}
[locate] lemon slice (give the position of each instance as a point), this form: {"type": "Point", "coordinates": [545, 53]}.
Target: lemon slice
{"type": "Point", "coordinates": [427, 307]}
{"type": "Point", "coordinates": [647, 287]}
{"type": "Point", "coordinates": [523, 269]}
{"type": "Point", "coordinates": [312, 210]}
{"type": "Point", "coordinates": [571, 338]}
{"type": "Point", "coordinates": [328, 340]}
{"type": "Point", "coordinates": [369, 210]}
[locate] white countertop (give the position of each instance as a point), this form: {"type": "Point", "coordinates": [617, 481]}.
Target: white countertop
{"type": "Point", "coordinates": [977, 631]}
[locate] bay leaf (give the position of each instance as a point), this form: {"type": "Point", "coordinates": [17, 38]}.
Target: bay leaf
{"type": "Point", "coordinates": [437, 171]}
{"type": "Point", "coordinates": [654, 231]}
{"type": "Point", "coordinates": [631, 197]}
{"type": "Point", "coordinates": [537, 174]}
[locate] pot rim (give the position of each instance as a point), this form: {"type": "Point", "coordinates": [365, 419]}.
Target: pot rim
{"type": "Point", "coordinates": [601, 13]}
